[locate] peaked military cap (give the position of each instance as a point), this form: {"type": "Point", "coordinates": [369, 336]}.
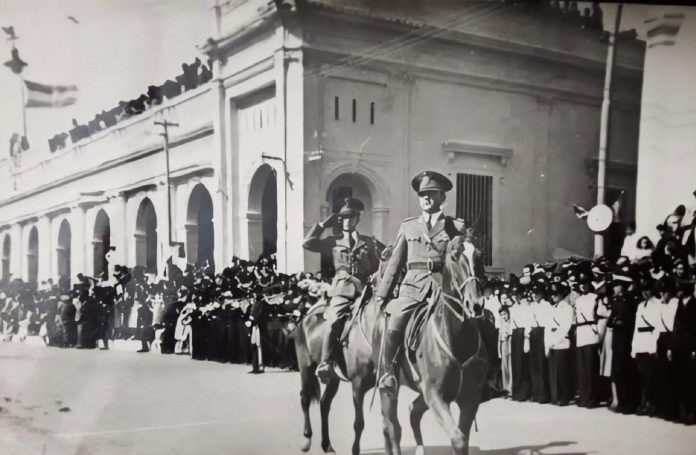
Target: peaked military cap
{"type": "Point", "coordinates": [348, 206]}
{"type": "Point", "coordinates": [431, 181]}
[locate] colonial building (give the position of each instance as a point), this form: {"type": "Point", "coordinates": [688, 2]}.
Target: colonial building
{"type": "Point", "coordinates": [317, 99]}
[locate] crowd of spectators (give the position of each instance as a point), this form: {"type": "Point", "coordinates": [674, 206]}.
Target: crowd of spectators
{"type": "Point", "coordinates": [244, 314]}
{"type": "Point", "coordinates": [192, 76]}
{"type": "Point", "coordinates": [605, 333]}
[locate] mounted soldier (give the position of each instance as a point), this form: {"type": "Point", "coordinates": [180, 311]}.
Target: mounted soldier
{"type": "Point", "coordinates": [355, 258]}
{"type": "Point", "coordinates": [419, 250]}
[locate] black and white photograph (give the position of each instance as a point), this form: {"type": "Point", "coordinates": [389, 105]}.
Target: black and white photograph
{"type": "Point", "coordinates": [375, 227]}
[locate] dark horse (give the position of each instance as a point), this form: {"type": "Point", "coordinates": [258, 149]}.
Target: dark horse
{"type": "Point", "coordinates": [449, 361]}
{"type": "Point", "coordinates": [356, 363]}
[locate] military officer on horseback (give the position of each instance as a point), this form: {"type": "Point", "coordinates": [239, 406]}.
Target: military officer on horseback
{"type": "Point", "coordinates": [355, 258]}
{"type": "Point", "coordinates": [419, 250]}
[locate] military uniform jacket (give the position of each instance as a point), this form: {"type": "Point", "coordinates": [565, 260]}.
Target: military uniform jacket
{"type": "Point", "coordinates": [353, 266]}
{"type": "Point", "coordinates": [647, 327]}
{"type": "Point", "coordinates": [557, 334]}
{"type": "Point", "coordinates": [586, 332]}
{"type": "Point", "coordinates": [421, 252]}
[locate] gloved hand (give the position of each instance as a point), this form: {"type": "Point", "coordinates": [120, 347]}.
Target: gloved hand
{"type": "Point", "coordinates": [331, 221]}
{"type": "Point", "coordinates": [526, 345]}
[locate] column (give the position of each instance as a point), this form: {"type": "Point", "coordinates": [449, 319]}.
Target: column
{"type": "Point", "coordinates": [290, 100]}
{"type": "Point", "coordinates": [46, 253]}
{"type": "Point", "coordinates": [379, 223]}
{"type": "Point", "coordinates": [17, 251]}
{"type": "Point", "coordinates": [118, 231]}
{"type": "Point", "coordinates": [80, 243]}
{"type": "Point", "coordinates": [223, 226]}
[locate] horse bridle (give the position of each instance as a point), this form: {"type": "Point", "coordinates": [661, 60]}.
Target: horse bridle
{"type": "Point", "coordinates": [466, 313]}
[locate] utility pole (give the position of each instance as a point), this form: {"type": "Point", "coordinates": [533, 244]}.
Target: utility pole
{"type": "Point", "coordinates": [165, 124]}
{"type": "Point", "coordinates": [604, 125]}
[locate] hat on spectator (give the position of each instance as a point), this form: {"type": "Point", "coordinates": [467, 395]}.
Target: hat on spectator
{"type": "Point", "coordinates": [431, 181]}
{"type": "Point", "coordinates": [558, 289]}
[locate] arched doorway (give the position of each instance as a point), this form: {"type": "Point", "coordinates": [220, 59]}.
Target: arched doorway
{"type": "Point", "coordinates": [146, 236]}
{"type": "Point", "coordinates": [33, 256]}
{"type": "Point", "coordinates": [6, 252]}
{"type": "Point", "coordinates": [353, 185]}
{"type": "Point", "coordinates": [200, 235]}
{"type": "Point", "coordinates": [101, 242]}
{"type": "Point", "coordinates": [63, 251]}
{"type": "Point", "coordinates": [262, 216]}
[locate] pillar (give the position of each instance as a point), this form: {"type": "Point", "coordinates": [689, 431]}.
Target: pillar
{"type": "Point", "coordinates": [46, 253]}
{"type": "Point", "coordinates": [290, 104]}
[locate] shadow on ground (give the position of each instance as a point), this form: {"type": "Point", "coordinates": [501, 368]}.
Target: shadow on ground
{"type": "Point", "coordinates": [545, 449]}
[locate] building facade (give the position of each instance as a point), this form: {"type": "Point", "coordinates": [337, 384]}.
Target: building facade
{"type": "Point", "coordinates": [315, 100]}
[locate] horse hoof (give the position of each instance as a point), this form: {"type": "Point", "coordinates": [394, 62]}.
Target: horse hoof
{"type": "Point", "coordinates": [420, 450]}
{"type": "Point", "coordinates": [329, 449]}
{"type": "Point", "coordinates": [306, 444]}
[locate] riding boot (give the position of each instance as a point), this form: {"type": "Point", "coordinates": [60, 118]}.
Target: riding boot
{"type": "Point", "coordinates": [325, 371]}
{"type": "Point", "coordinates": [388, 380]}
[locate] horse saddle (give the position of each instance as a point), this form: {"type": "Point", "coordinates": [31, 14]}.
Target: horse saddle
{"type": "Point", "coordinates": [416, 324]}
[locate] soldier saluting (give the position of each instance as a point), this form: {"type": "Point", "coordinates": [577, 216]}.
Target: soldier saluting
{"type": "Point", "coordinates": [355, 258]}
{"type": "Point", "coordinates": [419, 249]}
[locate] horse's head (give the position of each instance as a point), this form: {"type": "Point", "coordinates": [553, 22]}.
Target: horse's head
{"type": "Point", "coordinates": [458, 279]}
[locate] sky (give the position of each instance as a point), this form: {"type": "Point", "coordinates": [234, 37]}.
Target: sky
{"type": "Point", "coordinates": [118, 48]}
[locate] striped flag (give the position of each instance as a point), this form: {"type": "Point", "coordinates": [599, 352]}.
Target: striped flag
{"type": "Point", "coordinates": [662, 30]}
{"type": "Point", "coordinates": [40, 95]}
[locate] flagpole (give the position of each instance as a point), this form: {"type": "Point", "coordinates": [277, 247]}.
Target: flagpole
{"type": "Point", "coordinates": [24, 107]}
{"type": "Point", "coordinates": [604, 126]}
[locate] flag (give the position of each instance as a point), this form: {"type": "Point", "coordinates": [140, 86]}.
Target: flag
{"type": "Point", "coordinates": [40, 95]}
{"type": "Point", "coordinates": [662, 30]}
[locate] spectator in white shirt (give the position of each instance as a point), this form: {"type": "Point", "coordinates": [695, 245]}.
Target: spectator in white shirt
{"type": "Point", "coordinates": [644, 345]}
{"type": "Point", "coordinates": [587, 343]}
{"type": "Point", "coordinates": [558, 346]}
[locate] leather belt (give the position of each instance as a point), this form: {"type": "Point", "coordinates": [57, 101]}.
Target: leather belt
{"type": "Point", "coordinates": [430, 265]}
{"type": "Point", "coordinates": [646, 329]}
{"type": "Point", "coordinates": [579, 324]}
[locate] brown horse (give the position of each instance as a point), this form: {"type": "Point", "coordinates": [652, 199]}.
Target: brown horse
{"type": "Point", "coordinates": [449, 361]}
{"type": "Point", "coordinates": [356, 364]}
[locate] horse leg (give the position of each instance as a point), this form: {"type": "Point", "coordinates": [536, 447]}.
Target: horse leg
{"type": "Point", "coordinates": [443, 415]}
{"type": "Point", "coordinates": [325, 407]}
{"type": "Point", "coordinates": [467, 414]}
{"type": "Point", "coordinates": [359, 423]}
{"type": "Point", "coordinates": [390, 423]}
{"type": "Point", "coordinates": [417, 409]}
{"type": "Point", "coordinates": [310, 390]}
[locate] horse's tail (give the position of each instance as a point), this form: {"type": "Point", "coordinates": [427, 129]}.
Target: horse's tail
{"type": "Point", "coordinates": [310, 383]}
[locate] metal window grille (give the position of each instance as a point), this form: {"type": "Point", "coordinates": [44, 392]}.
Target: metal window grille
{"type": "Point", "coordinates": [475, 205]}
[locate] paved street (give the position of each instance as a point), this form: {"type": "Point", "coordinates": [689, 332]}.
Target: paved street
{"type": "Point", "coordinates": [93, 402]}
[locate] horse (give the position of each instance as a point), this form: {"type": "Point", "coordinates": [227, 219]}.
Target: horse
{"type": "Point", "coordinates": [356, 363]}
{"type": "Point", "coordinates": [449, 361]}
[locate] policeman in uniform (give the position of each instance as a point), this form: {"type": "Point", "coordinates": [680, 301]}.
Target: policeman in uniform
{"type": "Point", "coordinates": [355, 258]}
{"type": "Point", "coordinates": [419, 249]}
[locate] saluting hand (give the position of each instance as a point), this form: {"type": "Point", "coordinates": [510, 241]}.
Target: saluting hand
{"type": "Point", "coordinates": [331, 221]}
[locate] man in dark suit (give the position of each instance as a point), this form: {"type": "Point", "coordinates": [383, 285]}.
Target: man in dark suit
{"type": "Point", "coordinates": [355, 258]}
{"type": "Point", "coordinates": [419, 250]}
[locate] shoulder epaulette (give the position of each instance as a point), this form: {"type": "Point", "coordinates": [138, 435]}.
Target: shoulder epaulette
{"type": "Point", "coordinates": [411, 218]}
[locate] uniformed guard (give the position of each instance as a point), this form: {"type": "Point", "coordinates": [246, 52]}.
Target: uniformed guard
{"type": "Point", "coordinates": [419, 249]}
{"type": "Point", "coordinates": [355, 258]}
{"type": "Point", "coordinates": [586, 343]}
